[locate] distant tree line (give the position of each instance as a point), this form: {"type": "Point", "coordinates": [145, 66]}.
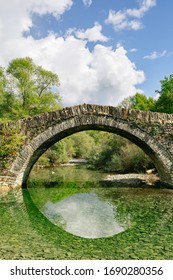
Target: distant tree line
{"type": "Point", "coordinates": [104, 151]}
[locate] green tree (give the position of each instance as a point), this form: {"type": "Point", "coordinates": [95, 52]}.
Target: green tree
{"type": "Point", "coordinates": [7, 97]}
{"type": "Point", "coordinates": [83, 144]}
{"type": "Point", "coordinates": [165, 100]}
{"type": "Point", "coordinates": [2, 90]}
{"type": "Point", "coordinates": [46, 95]}
{"type": "Point", "coordinates": [35, 89]}
{"type": "Point", "coordinates": [22, 70]}
{"type": "Point", "coordinates": [106, 155]}
{"type": "Point", "coordinates": [139, 102]}
{"type": "Point", "coordinates": [2, 80]}
{"type": "Point", "coordinates": [78, 145]}
{"type": "Point", "coordinates": [10, 141]}
{"type": "Point", "coordinates": [116, 154]}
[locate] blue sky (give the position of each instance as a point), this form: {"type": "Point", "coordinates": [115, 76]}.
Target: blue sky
{"type": "Point", "coordinates": [103, 51]}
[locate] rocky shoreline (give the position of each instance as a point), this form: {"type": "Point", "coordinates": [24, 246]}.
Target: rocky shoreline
{"type": "Point", "coordinates": [133, 179]}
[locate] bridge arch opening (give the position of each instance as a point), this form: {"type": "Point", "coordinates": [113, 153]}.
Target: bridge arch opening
{"type": "Point", "coordinates": [39, 144]}
{"type": "Point", "coordinates": [101, 150]}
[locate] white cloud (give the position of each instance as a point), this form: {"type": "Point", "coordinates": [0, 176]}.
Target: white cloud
{"type": "Point", "coordinates": [16, 15]}
{"type": "Point", "coordinates": [93, 34]}
{"type": "Point", "coordinates": [133, 50]}
{"type": "Point", "coordinates": [104, 75]}
{"type": "Point", "coordinates": [155, 55]}
{"type": "Point", "coordinates": [87, 3]}
{"type": "Point", "coordinates": [156, 97]}
{"type": "Point", "coordinates": [117, 75]}
{"type": "Point", "coordinates": [129, 18]}
{"type": "Point", "coordinates": [56, 8]}
{"type": "Point", "coordinates": [120, 21]}
{"type": "Point", "coordinates": [16, 18]}
{"type": "Point", "coordinates": [146, 5]}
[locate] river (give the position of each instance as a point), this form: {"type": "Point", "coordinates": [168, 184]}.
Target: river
{"type": "Point", "coordinates": [68, 213]}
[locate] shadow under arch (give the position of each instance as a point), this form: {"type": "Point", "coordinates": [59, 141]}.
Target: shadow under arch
{"type": "Point", "coordinates": [39, 144]}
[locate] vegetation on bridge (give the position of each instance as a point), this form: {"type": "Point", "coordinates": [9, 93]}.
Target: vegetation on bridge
{"type": "Point", "coordinates": [10, 141]}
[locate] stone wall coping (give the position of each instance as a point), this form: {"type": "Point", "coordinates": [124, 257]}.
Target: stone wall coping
{"type": "Point", "coordinates": [92, 109]}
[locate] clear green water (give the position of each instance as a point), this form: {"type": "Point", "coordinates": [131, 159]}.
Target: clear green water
{"type": "Point", "coordinates": [47, 220]}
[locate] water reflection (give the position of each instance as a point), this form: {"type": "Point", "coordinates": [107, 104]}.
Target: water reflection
{"type": "Point", "coordinates": [84, 215]}
{"type": "Point", "coordinates": [25, 233]}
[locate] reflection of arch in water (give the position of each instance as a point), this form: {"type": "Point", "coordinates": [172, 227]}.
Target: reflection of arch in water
{"type": "Point", "coordinates": [39, 222]}
{"type": "Point", "coordinates": [93, 119]}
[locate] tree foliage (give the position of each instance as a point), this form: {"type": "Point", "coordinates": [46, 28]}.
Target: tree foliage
{"type": "Point", "coordinates": [27, 89]}
{"type": "Point", "coordinates": [10, 141]}
{"type": "Point", "coordinates": [163, 104]}
{"type": "Point", "coordinates": [139, 102]}
{"type": "Point", "coordinates": [165, 101]}
{"type": "Point", "coordinates": [104, 151]}
{"type": "Point", "coordinates": [116, 154]}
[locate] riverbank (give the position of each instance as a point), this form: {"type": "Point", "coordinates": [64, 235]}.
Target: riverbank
{"type": "Point", "coordinates": [133, 179]}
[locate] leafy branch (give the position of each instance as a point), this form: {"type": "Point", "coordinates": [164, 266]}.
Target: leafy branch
{"type": "Point", "coordinates": [10, 141]}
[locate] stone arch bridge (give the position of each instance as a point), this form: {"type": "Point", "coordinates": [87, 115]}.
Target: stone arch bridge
{"type": "Point", "coordinates": [152, 132]}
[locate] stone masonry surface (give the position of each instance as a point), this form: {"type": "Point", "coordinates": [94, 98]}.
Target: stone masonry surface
{"type": "Point", "coordinates": [151, 131]}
